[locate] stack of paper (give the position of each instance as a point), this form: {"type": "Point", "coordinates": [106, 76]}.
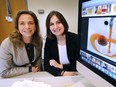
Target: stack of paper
{"type": "Point", "coordinates": [29, 83]}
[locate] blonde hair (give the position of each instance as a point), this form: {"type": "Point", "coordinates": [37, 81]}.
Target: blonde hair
{"type": "Point", "coordinates": [16, 36]}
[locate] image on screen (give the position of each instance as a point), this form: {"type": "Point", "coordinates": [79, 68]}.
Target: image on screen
{"type": "Point", "coordinates": [102, 39]}
{"type": "Point", "coordinates": [97, 32]}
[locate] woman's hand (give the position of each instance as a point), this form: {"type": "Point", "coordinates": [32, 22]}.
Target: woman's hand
{"type": "Point", "coordinates": [69, 73]}
{"type": "Point", "coordinates": [55, 64]}
{"type": "Point", "coordinates": [36, 69]}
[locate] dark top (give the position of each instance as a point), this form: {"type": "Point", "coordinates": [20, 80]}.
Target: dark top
{"type": "Point", "coordinates": [30, 52]}
{"type": "Point", "coordinates": [51, 52]}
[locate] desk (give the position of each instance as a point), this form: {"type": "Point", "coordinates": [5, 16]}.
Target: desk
{"type": "Point", "coordinates": [34, 75]}
{"type": "Point", "coordinates": [61, 81]}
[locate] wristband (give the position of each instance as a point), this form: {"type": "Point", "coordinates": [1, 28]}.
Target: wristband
{"type": "Point", "coordinates": [30, 69]}
{"type": "Point", "coordinates": [62, 73]}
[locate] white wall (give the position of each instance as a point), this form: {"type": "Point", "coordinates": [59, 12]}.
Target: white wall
{"type": "Point", "coordinates": [67, 7]}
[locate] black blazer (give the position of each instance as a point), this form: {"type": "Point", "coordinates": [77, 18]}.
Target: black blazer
{"type": "Point", "coordinates": [51, 52]}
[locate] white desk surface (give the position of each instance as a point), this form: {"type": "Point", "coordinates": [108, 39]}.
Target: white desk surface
{"type": "Point", "coordinates": [35, 75]}
{"type": "Point", "coordinates": [61, 81]}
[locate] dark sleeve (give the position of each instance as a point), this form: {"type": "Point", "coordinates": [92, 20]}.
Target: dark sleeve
{"type": "Point", "coordinates": [48, 52]}
{"type": "Point", "coordinates": [72, 52]}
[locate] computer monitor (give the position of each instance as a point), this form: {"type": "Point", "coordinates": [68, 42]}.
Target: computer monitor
{"type": "Point", "coordinates": [97, 36]}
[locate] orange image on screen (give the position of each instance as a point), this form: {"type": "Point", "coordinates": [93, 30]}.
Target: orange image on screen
{"type": "Point", "coordinates": [106, 40]}
{"type": "Point", "coordinates": [114, 8]}
{"type": "Point", "coordinates": [103, 41]}
{"type": "Point", "coordinates": [101, 37]}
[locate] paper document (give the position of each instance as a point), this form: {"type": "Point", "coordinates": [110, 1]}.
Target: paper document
{"type": "Point", "coordinates": [29, 83]}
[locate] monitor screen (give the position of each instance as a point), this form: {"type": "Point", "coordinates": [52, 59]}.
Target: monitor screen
{"type": "Point", "coordinates": [97, 36]}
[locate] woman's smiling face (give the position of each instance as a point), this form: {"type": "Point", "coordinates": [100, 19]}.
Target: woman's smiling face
{"type": "Point", "coordinates": [56, 26]}
{"type": "Point", "coordinates": [26, 25]}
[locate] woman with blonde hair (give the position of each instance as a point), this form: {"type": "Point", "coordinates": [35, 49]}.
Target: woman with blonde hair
{"type": "Point", "coordinates": [20, 53]}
